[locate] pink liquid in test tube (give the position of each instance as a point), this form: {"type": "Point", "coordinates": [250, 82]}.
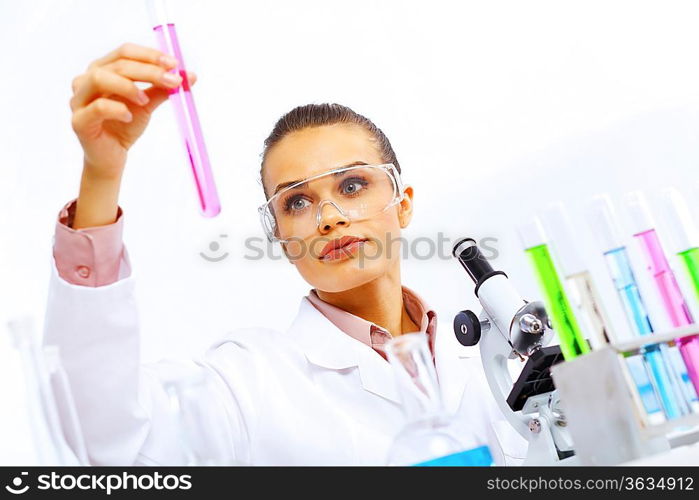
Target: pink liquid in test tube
{"type": "Point", "coordinates": [672, 299]}
{"type": "Point", "coordinates": [186, 112]}
{"type": "Point", "coordinates": [669, 289]}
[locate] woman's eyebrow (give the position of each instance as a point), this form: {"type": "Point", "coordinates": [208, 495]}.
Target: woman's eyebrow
{"type": "Point", "coordinates": [289, 183]}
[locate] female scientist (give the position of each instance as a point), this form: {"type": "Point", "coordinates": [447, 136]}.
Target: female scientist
{"type": "Point", "coordinates": [319, 393]}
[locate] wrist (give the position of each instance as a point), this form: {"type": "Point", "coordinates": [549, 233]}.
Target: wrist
{"type": "Point", "coordinates": [102, 174]}
{"type": "Point", "coordinates": [98, 200]}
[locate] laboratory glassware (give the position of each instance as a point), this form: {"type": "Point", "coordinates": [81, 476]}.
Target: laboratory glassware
{"type": "Point", "coordinates": [430, 437]}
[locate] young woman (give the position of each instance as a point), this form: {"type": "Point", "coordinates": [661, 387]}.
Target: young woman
{"type": "Point", "coordinates": [321, 392]}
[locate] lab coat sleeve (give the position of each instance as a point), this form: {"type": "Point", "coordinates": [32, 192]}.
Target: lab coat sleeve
{"type": "Point", "coordinates": [122, 406]}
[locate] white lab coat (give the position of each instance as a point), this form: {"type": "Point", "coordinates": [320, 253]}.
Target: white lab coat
{"type": "Point", "coordinates": [310, 395]}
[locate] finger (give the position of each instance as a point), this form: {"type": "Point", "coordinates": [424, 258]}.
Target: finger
{"type": "Point", "coordinates": [101, 81]}
{"type": "Point", "coordinates": [158, 95]}
{"type": "Point", "coordinates": [137, 53]}
{"type": "Point", "coordinates": [143, 72]}
{"type": "Point", "coordinates": [137, 71]}
{"type": "Point", "coordinates": [98, 111]}
{"type": "Point", "coordinates": [77, 82]}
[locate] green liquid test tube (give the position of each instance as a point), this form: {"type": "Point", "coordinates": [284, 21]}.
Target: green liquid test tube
{"type": "Point", "coordinates": [684, 235]}
{"type": "Point", "coordinates": [571, 339]}
{"type": "Point", "coordinates": [690, 258]}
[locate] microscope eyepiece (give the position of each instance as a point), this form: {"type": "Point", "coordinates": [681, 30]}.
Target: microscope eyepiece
{"type": "Point", "coordinates": [477, 266]}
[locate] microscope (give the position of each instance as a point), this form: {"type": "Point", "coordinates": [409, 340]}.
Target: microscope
{"type": "Point", "coordinates": [511, 328]}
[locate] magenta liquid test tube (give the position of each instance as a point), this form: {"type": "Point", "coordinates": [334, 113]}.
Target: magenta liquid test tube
{"type": "Point", "coordinates": [185, 111]}
{"type": "Point", "coordinates": [670, 292]}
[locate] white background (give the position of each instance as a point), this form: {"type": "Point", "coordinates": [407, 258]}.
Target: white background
{"type": "Point", "coordinates": [495, 109]}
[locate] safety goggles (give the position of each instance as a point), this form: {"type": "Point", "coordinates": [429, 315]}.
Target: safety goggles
{"type": "Point", "coordinates": [358, 192]}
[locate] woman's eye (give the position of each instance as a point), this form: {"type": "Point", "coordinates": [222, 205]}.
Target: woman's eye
{"type": "Point", "coordinates": [296, 204]}
{"type": "Point", "coordinates": [353, 186]}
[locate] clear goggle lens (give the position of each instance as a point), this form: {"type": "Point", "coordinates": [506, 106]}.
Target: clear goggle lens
{"type": "Point", "coordinates": [357, 192]}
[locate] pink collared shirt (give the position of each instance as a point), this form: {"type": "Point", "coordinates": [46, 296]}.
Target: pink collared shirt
{"type": "Point", "coordinates": [92, 256]}
{"type": "Point", "coordinates": [97, 256]}
{"type": "Point", "coordinates": [372, 334]}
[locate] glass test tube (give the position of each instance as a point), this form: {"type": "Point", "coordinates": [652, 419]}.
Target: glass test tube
{"type": "Point", "coordinates": [584, 293]}
{"type": "Point", "coordinates": [657, 360]}
{"type": "Point", "coordinates": [670, 292]}
{"type": "Point", "coordinates": [657, 356]}
{"type": "Point", "coordinates": [684, 241]}
{"type": "Point", "coordinates": [684, 234]}
{"type": "Point", "coordinates": [571, 339]}
{"type": "Point", "coordinates": [588, 303]}
{"type": "Point", "coordinates": [185, 111]}
{"type": "Point", "coordinates": [690, 259]}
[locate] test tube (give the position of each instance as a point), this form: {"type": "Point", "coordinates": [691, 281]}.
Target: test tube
{"type": "Point", "coordinates": [571, 339]}
{"type": "Point", "coordinates": [684, 239]}
{"type": "Point", "coordinates": [659, 268]}
{"type": "Point", "coordinates": [586, 298]}
{"type": "Point", "coordinates": [185, 111]}
{"type": "Point", "coordinates": [684, 233]}
{"type": "Point", "coordinates": [576, 275]}
{"type": "Point", "coordinates": [658, 362]}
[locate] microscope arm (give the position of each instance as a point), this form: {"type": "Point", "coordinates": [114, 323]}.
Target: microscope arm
{"type": "Point", "coordinates": [495, 352]}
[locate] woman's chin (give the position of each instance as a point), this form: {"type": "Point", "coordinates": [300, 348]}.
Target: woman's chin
{"type": "Point", "coordinates": [350, 274]}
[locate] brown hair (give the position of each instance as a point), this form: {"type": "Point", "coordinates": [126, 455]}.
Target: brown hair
{"type": "Point", "coordinates": [318, 115]}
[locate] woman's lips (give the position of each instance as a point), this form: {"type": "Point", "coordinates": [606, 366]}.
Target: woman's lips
{"type": "Point", "coordinates": [343, 252]}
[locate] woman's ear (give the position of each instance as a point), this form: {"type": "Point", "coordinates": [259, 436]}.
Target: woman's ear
{"type": "Point", "coordinates": [405, 207]}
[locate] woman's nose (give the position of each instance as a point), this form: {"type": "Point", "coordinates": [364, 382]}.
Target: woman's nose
{"type": "Point", "coordinates": [330, 215]}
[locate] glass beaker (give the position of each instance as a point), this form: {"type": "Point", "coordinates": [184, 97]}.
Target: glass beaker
{"type": "Point", "coordinates": [430, 436]}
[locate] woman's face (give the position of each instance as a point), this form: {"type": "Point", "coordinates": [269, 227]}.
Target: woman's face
{"type": "Point", "coordinates": [316, 150]}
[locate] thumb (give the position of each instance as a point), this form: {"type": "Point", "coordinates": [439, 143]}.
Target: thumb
{"type": "Point", "coordinates": [158, 95]}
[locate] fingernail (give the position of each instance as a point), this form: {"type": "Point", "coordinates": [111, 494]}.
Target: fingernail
{"type": "Point", "coordinates": [142, 97]}
{"type": "Point", "coordinates": [168, 61]}
{"type": "Point", "coordinates": [171, 79]}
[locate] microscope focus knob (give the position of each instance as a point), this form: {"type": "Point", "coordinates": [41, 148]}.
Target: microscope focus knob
{"type": "Point", "coordinates": [467, 328]}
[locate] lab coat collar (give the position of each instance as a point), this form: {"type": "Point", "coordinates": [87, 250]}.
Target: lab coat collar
{"type": "Point", "coordinates": [321, 341]}
{"type": "Point", "coordinates": [325, 345]}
